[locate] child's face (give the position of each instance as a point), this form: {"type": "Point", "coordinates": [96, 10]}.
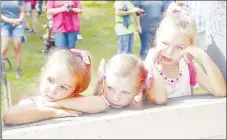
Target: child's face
{"type": "Point", "coordinates": [57, 83]}
{"type": "Point", "coordinates": [120, 92]}
{"type": "Point", "coordinates": [174, 42]}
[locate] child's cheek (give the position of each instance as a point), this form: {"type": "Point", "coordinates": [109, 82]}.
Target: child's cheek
{"type": "Point", "coordinates": [44, 88]}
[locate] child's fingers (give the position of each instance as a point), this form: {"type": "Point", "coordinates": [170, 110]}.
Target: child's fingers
{"type": "Point", "coordinates": [74, 113]}
{"type": "Point", "coordinates": [102, 64]}
{"type": "Point", "coordinates": [51, 104]}
{"type": "Point", "coordinates": [101, 70]}
{"type": "Point", "coordinates": [67, 113]}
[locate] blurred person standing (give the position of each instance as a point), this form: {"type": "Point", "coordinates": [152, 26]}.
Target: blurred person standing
{"type": "Point", "coordinates": [148, 21]}
{"type": "Point", "coordinates": [30, 8]}
{"type": "Point", "coordinates": [66, 22]}
{"type": "Point", "coordinates": [125, 26]}
{"type": "Point", "coordinates": [12, 15]}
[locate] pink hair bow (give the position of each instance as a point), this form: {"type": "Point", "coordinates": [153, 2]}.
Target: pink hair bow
{"type": "Point", "coordinates": [84, 55]}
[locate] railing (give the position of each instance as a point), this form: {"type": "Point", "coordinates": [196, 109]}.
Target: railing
{"type": "Point", "coordinates": [7, 95]}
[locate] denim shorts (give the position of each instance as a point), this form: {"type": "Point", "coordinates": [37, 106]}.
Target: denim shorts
{"type": "Point", "coordinates": [66, 40]}
{"type": "Point", "coordinates": [125, 43]}
{"type": "Point", "coordinates": [7, 30]}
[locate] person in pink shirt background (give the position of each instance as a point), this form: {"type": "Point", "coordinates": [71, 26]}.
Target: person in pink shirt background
{"type": "Point", "coordinates": [30, 7]}
{"type": "Point", "coordinates": [66, 23]}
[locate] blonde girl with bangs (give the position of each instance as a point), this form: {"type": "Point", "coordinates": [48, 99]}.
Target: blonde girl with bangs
{"type": "Point", "coordinates": [173, 64]}
{"type": "Point", "coordinates": [122, 81]}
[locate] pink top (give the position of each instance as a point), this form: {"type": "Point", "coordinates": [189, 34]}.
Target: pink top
{"type": "Point", "coordinates": [65, 22]}
{"type": "Point", "coordinates": [33, 2]}
{"type": "Point", "coordinates": [25, 1]}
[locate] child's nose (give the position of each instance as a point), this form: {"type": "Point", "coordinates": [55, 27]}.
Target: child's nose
{"type": "Point", "coordinates": [169, 51]}
{"type": "Point", "coordinates": [116, 97]}
{"type": "Point", "coordinates": [53, 90]}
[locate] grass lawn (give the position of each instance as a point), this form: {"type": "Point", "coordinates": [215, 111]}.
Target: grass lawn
{"type": "Point", "coordinates": [99, 38]}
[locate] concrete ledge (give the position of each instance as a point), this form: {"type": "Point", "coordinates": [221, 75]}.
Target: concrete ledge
{"type": "Point", "coordinates": [186, 117]}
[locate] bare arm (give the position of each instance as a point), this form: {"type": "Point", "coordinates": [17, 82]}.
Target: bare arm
{"type": "Point", "coordinates": [8, 20]}
{"type": "Point", "coordinates": [21, 15]}
{"type": "Point", "coordinates": [212, 80]}
{"type": "Point", "coordinates": [22, 114]}
{"type": "Point", "coordinates": [138, 20]}
{"type": "Point", "coordinates": [26, 112]}
{"type": "Point", "coordinates": [124, 13]}
{"type": "Point", "coordinates": [156, 93]}
{"type": "Point", "coordinates": [89, 104]}
{"type": "Point", "coordinates": [53, 11]}
{"type": "Point", "coordinates": [77, 10]}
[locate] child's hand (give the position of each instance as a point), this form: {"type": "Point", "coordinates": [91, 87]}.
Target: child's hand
{"type": "Point", "coordinates": [153, 54]}
{"type": "Point", "coordinates": [59, 113]}
{"type": "Point", "coordinates": [16, 22]}
{"type": "Point", "coordinates": [52, 105]}
{"type": "Point", "coordinates": [141, 97]}
{"type": "Point", "coordinates": [139, 29]}
{"type": "Point", "coordinates": [138, 101]}
{"type": "Point", "coordinates": [101, 69]}
{"type": "Point", "coordinates": [65, 8]}
{"type": "Point", "coordinates": [195, 52]}
{"type": "Point", "coordinates": [140, 10]}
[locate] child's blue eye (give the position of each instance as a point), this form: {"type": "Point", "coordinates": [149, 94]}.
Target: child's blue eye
{"type": "Point", "coordinates": [110, 88]}
{"type": "Point", "coordinates": [125, 92]}
{"type": "Point", "coordinates": [165, 43]}
{"type": "Point", "coordinates": [179, 48]}
{"type": "Point", "coordinates": [49, 79]}
{"type": "Point", "coordinates": [64, 88]}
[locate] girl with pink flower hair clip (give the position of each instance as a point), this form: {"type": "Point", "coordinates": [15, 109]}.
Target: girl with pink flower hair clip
{"type": "Point", "coordinates": [172, 60]}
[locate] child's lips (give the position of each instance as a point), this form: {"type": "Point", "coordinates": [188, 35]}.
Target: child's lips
{"type": "Point", "coordinates": [115, 106]}
{"type": "Point", "coordinates": [166, 59]}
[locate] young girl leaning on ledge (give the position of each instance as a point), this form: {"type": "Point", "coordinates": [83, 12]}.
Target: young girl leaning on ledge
{"type": "Point", "coordinates": [65, 75]}
{"type": "Point", "coordinates": [172, 61]}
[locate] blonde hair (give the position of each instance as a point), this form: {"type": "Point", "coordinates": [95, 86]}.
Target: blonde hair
{"type": "Point", "coordinates": [74, 61]}
{"type": "Point", "coordinates": [182, 20]}
{"type": "Point", "coordinates": [122, 66]}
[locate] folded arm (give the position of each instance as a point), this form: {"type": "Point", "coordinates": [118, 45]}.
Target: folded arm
{"type": "Point", "coordinates": [77, 10]}
{"type": "Point", "coordinates": [89, 104]}
{"type": "Point", "coordinates": [27, 112]}
{"type": "Point", "coordinates": [211, 79]}
{"type": "Point", "coordinates": [156, 93]}
{"type": "Point", "coordinates": [6, 19]}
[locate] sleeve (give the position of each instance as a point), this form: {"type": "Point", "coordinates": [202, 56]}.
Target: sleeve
{"type": "Point", "coordinates": [117, 5]}
{"type": "Point", "coordinates": [130, 5]}
{"type": "Point", "coordinates": [50, 4]}
{"type": "Point", "coordinates": [26, 100]}
{"type": "Point", "coordinates": [21, 2]}
{"type": "Point", "coordinates": [78, 4]}
{"type": "Point", "coordinates": [137, 3]}
{"type": "Point", "coordinates": [166, 4]}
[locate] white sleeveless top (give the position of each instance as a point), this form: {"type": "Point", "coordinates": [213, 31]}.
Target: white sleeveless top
{"type": "Point", "coordinates": [180, 86]}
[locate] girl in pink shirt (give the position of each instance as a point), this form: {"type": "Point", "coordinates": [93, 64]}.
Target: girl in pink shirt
{"type": "Point", "coordinates": [66, 24]}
